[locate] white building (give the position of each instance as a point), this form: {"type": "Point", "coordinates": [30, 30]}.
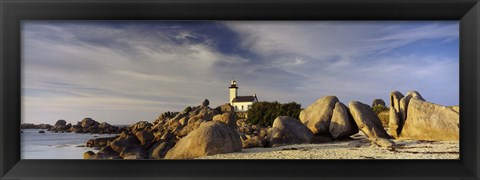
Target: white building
{"type": "Point", "coordinates": [241, 104]}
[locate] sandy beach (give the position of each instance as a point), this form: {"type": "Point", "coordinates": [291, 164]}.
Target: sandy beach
{"type": "Point", "coordinates": [359, 148]}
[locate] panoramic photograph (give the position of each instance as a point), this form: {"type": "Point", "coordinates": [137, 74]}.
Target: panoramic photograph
{"type": "Point", "coordinates": [155, 90]}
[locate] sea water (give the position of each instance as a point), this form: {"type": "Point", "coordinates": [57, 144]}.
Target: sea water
{"type": "Point", "coordinates": [49, 145]}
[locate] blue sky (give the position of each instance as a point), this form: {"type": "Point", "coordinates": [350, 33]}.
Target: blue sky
{"type": "Point", "coordinates": [127, 71]}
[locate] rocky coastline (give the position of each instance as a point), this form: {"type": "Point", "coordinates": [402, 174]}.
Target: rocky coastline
{"type": "Point", "coordinates": [203, 131]}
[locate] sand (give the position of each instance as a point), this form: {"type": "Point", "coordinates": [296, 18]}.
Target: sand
{"type": "Point", "coordinates": [359, 148]}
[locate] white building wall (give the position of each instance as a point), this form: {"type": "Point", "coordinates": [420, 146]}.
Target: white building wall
{"type": "Point", "coordinates": [233, 94]}
{"type": "Point", "coordinates": [238, 106]}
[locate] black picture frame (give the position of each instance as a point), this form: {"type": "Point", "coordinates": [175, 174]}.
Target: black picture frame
{"type": "Point", "coordinates": [12, 12]}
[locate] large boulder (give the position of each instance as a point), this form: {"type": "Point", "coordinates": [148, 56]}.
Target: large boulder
{"type": "Point", "coordinates": [395, 97]}
{"type": "Point", "coordinates": [100, 142]}
{"type": "Point", "coordinates": [228, 118]}
{"type": "Point", "coordinates": [393, 123]}
{"type": "Point", "coordinates": [87, 122]}
{"type": "Point", "coordinates": [44, 126]}
{"type": "Point", "coordinates": [205, 102]}
{"type": "Point", "coordinates": [454, 108]}
{"type": "Point", "coordinates": [169, 136]}
{"type": "Point", "coordinates": [394, 112]}
{"type": "Point", "coordinates": [165, 116]}
{"type": "Point", "coordinates": [207, 113]}
{"type": "Point", "coordinates": [397, 112]}
{"type": "Point", "coordinates": [135, 151]}
{"type": "Point", "coordinates": [60, 125]}
{"type": "Point", "coordinates": [76, 129]}
{"type": "Point", "coordinates": [189, 128]}
{"type": "Point", "coordinates": [317, 116]}
{"type": "Point", "coordinates": [173, 125]}
{"type": "Point", "coordinates": [402, 114]}
{"type": "Point", "coordinates": [141, 125]}
{"type": "Point", "coordinates": [194, 119]}
{"type": "Point", "coordinates": [88, 155]}
{"type": "Point", "coordinates": [121, 143]}
{"type": "Point", "coordinates": [342, 124]}
{"type": "Point", "coordinates": [104, 125]}
{"type": "Point", "coordinates": [384, 143]}
{"type": "Point", "coordinates": [184, 120]}
{"type": "Point", "coordinates": [145, 138]}
{"type": "Point", "coordinates": [60, 122]}
{"type": "Point", "coordinates": [68, 126]}
{"type": "Point", "coordinates": [159, 149]}
{"type": "Point", "coordinates": [429, 121]}
{"type": "Point", "coordinates": [226, 108]}
{"type": "Point", "coordinates": [287, 130]}
{"type": "Point", "coordinates": [107, 153]}
{"type": "Point", "coordinates": [210, 138]}
{"type": "Point", "coordinates": [367, 120]}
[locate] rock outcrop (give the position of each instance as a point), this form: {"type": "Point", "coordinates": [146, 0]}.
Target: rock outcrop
{"type": "Point", "coordinates": [145, 140]}
{"type": "Point", "coordinates": [226, 108]}
{"type": "Point", "coordinates": [106, 153]}
{"type": "Point", "coordinates": [342, 124]}
{"type": "Point", "coordinates": [205, 102]}
{"type": "Point", "coordinates": [89, 122]}
{"type": "Point", "coordinates": [395, 97]}
{"type": "Point", "coordinates": [317, 116]}
{"type": "Point", "coordinates": [60, 122]}
{"type": "Point", "coordinates": [394, 120]}
{"type": "Point", "coordinates": [160, 149]}
{"type": "Point", "coordinates": [228, 118]}
{"type": "Point", "coordinates": [87, 125]}
{"type": "Point", "coordinates": [367, 120]}
{"type": "Point", "coordinates": [210, 138]}
{"type": "Point", "coordinates": [99, 142]}
{"type": "Point", "coordinates": [429, 121]}
{"type": "Point", "coordinates": [426, 121]}
{"type": "Point", "coordinates": [60, 125]}
{"type": "Point", "coordinates": [88, 155]}
{"type": "Point", "coordinates": [287, 130]}
{"type": "Point", "coordinates": [384, 143]}
{"type": "Point", "coordinates": [402, 114]}
{"type": "Point", "coordinates": [394, 123]}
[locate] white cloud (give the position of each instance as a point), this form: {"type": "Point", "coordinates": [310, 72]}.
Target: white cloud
{"type": "Point", "coordinates": [350, 58]}
{"type": "Point", "coordinates": [130, 73]}
{"type": "Point", "coordinates": [130, 67]}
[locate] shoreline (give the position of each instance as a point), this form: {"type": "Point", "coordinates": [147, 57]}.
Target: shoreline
{"type": "Point", "coordinates": [355, 149]}
{"type": "Point", "coordinates": [353, 132]}
{"type": "Point", "coordinates": [51, 145]}
{"type": "Point", "coordinates": [358, 148]}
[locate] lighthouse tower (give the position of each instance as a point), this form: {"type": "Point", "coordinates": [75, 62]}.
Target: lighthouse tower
{"type": "Point", "coordinates": [241, 104]}
{"type": "Point", "coordinates": [233, 90]}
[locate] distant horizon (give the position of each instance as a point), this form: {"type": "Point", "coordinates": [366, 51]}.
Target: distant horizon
{"type": "Point", "coordinates": [122, 72]}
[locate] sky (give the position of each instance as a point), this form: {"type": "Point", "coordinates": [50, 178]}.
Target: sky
{"type": "Point", "coordinates": [123, 72]}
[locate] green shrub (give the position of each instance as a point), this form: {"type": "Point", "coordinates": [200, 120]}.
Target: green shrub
{"type": "Point", "coordinates": [384, 118]}
{"type": "Point", "coordinates": [377, 109]}
{"type": "Point", "coordinates": [382, 113]}
{"type": "Point", "coordinates": [264, 113]}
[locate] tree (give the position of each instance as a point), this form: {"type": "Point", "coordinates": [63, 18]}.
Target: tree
{"type": "Point", "coordinates": [264, 113]}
